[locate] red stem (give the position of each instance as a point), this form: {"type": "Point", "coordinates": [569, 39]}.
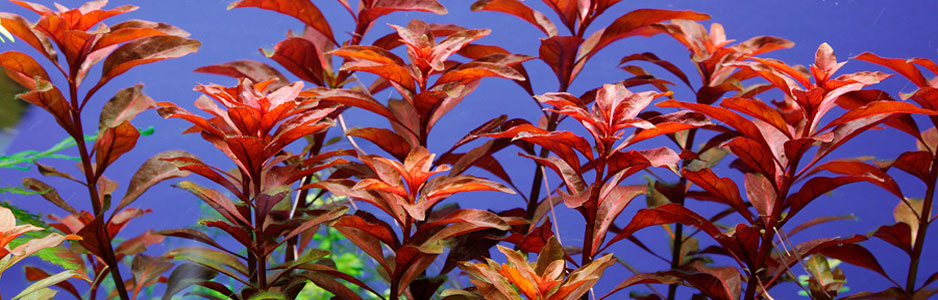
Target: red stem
{"type": "Point", "coordinates": [923, 222]}
{"type": "Point", "coordinates": [92, 184]}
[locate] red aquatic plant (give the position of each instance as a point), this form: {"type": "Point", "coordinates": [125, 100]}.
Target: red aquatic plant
{"type": "Point", "coordinates": [79, 36]}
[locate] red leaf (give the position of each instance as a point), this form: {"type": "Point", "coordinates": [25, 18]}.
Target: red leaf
{"type": "Point", "coordinates": [916, 163]}
{"type": "Point", "coordinates": [114, 142]}
{"type": "Point", "coordinates": [665, 214]}
{"type": "Point", "coordinates": [572, 178]}
{"type": "Point", "coordinates": [443, 187]}
{"type": "Point", "coordinates": [410, 262]}
{"type": "Point", "coordinates": [91, 238]}
{"type": "Point", "coordinates": [448, 46]}
{"type": "Point", "coordinates": [377, 61]}
{"type": "Point", "coordinates": [570, 11]}
{"type": "Point", "coordinates": [389, 141]}
{"type": "Point", "coordinates": [755, 155]}
{"type": "Point", "coordinates": [348, 97]}
{"type": "Point", "coordinates": [253, 70]}
{"type": "Point", "coordinates": [633, 23]}
{"type": "Point", "coordinates": [248, 153]}
{"type": "Point", "coordinates": [535, 240]}
{"type": "Point", "coordinates": [742, 243]}
{"type": "Point", "coordinates": [759, 110]}
{"type": "Point", "coordinates": [216, 200]}
{"type": "Point", "coordinates": [23, 69]}
{"type": "Point", "coordinates": [561, 143]}
{"type": "Point", "coordinates": [723, 188]}
{"type": "Point", "coordinates": [902, 66]}
{"type": "Point", "coordinates": [302, 58]}
{"type": "Point", "coordinates": [611, 204]}
{"type": "Point", "coordinates": [818, 221]}
{"type": "Point", "coordinates": [22, 29]}
{"type": "Point", "coordinates": [899, 235]}
{"type": "Point", "coordinates": [195, 235]}
{"type": "Point", "coordinates": [50, 98]}
{"type": "Point", "coordinates": [744, 126]}
{"type": "Point", "coordinates": [144, 51]}
{"type": "Point", "coordinates": [126, 104]}
{"type": "Point", "coordinates": [652, 58]}
{"type": "Point", "coordinates": [461, 222]}
{"type": "Point", "coordinates": [845, 132]}
{"type": "Point", "coordinates": [814, 188]}
{"type": "Point", "coordinates": [372, 9]}
{"type": "Point", "coordinates": [476, 70]}
{"type": "Point", "coordinates": [560, 53]}
{"type": "Point", "coordinates": [49, 193]}
{"type": "Point", "coordinates": [709, 285]}
{"type": "Point", "coordinates": [878, 108]}
{"type": "Point", "coordinates": [368, 235]}
{"type": "Point", "coordinates": [855, 255]}
{"type": "Point", "coordinates": [138, 244]}
{"type": "Point", "coordinates": [520, 10]}
{"type": "Point", "coordinates": [668, 124]}
{"type": "Point", "coordinates": [303, 10]}
{"type": "Point", "coordinates": [861, 170]}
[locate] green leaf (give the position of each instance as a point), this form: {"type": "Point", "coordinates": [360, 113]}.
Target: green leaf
{"type": "Point", "coordinates": [268, 296]}
{"type": "Point", "coordinates": [43, 284]}
{"type": "Point", "coordinates": [43, 294]}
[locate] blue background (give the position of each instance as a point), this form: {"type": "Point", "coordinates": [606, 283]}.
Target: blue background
{"type": "Point", "coordinates": [888, 28]}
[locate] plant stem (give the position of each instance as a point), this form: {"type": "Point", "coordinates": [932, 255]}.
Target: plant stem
{"type": "Point", "coordinates": [677, 243]}
{"type": "Point", "coordinates": [923, 222]}
{"type": "Point", "coordinates": [91, 179]}
{"type": "Point", "coordinates": [552, 122]}
{"type": "Point", "coordinates": [259, 219]}
{"type": "Point", "coordinates": [676, 246]}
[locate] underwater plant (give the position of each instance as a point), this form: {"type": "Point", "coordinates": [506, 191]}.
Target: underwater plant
{"type": "Point", "coordinates": [731, 168]}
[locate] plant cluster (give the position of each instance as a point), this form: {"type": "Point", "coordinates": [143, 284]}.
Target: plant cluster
{"type": "Point", "coordinates": [395, 206]}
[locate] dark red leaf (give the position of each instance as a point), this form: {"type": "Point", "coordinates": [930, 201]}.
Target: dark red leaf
{"type": "Point", "coordinates": [899, 235]}
{"type": "Point", "coordinates": [144, 51]}
{"type": "Point", "coordinates": [652, 58]}
{"type": "Point", "coordinates": [862, 170]}
{"type": "Point", "coordinates": [147, 270]}
{"type": "Point", "coordinates": [611, 204]}
{"type": "Point", "coordinates": [114, 142]}
{"type": "Point", "coordinates": [303, 10]}
{"type": "Point", "coordinates": [302, 58]}
{"type": "Point", "coordinates": [138, 244]}
{"type": "Point", "coordinates": [560, 53]}
{"type": "Point", "coordinates": [216, 200]}
{"type": "Point", "coordinates": [818, 221]}
{"type": "Point", "coordinates": [253, 70]}
{"type": "Point", "coordinates": [520, 10]}
{"type": "Point", "coordinates": [854, 254]}
{"type": "Point", "coordinates": [723, 188]}
{"type": "Point", "coordinates": [708, 284]}
{"type": "Point", "coordinates": [410, 262]}
{"type": "Point", "coordinates": [665, 214]}
{"type": "Point", "coordinates": [755, 155]}
{"type": "Point", "coordinates": [389, 141]}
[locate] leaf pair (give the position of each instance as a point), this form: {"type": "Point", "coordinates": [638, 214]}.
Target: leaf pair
{"type": "Point", "coordinates": [548, 278]}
